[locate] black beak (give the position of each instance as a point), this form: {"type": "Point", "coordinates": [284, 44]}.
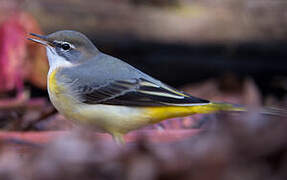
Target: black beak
{"type": "Point", "coordinates": [42, 39]}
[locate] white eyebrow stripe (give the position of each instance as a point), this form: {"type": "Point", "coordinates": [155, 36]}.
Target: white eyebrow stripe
{"type": "Point", "coordinates": [62, 42]}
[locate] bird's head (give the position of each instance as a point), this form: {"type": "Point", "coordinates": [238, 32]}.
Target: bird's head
{"type": "Point", "coordinates": [70, 46]}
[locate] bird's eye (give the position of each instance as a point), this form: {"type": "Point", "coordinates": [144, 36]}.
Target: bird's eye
{"type": "Point", "coordinates": [65, 46]}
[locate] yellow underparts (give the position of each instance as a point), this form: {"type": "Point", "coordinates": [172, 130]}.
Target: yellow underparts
{"type": "Point", "coordinates": [160, 113]}
{"type": "Point", "coordinates": [52, 83]}
{"type": "Point", "coordinates": [119, 120]}
{"type": "Point", "coordinates": [59, 96]}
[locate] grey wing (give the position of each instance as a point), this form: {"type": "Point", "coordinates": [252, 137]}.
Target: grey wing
{"type": "Point", "coordinates": [130, 87]}
{"type": "Point", "coordinates": [137, 92]}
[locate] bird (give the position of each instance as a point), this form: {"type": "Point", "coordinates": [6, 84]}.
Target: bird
{"type": "Point", "coordinates": [101, 91]}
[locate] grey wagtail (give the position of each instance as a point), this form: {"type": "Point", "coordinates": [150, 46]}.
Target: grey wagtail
{"type": "Point", "coordinates": [99, 90]}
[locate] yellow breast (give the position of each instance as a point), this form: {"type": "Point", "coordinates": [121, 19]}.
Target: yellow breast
{"type": "Point", "coordinates": [52, 82]}
{"type": "Point", "coordinates": [60, 96]}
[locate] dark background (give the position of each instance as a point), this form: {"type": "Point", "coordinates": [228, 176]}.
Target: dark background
{"type": "Point", "coordinates": [182, 41]}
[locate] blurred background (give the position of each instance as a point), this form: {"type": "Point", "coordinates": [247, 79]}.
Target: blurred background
{"type": "Point", "coordinates": [177, 41]}
{"type": "Point", "coordinates": [181, 41]}
{"type": "Point", "coordinates": [223, 50]}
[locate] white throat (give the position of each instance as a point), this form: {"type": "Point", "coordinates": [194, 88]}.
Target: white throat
{"type": "Point", "coordinates": [55, 60]}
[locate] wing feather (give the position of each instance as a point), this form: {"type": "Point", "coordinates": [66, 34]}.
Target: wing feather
{"type": "Point", "coordinates": [137, 92]}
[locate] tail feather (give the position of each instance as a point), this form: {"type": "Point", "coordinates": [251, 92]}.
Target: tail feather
{"type": "Point", "coordinates": [226, 107]}
{"type": "Point", "coordinates": [267, 110]}
{"type": "Point", "coordinates": [274, 111]}
{"type": "Point", "coordinates": [157, 114]}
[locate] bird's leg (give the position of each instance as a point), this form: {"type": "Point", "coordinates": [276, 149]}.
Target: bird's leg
{"type": "Point", "coordinates": [119, 138]}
